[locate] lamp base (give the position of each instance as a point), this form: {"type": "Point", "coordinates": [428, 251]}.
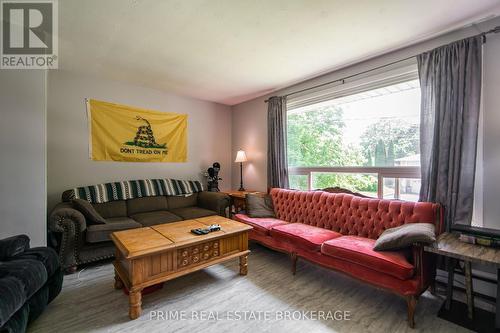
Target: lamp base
{"type": "Point", "coordinates": [241, 178]}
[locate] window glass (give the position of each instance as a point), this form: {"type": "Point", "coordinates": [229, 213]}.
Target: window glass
{"type": "Point", "coordinates": [357, 182]}
{"type": "Point", "coordinates": [378, 127]}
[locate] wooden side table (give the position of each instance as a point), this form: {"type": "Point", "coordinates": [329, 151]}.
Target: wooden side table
{"type": "Point", "coordinates": [449, 246]}
{"type": "Point", "coordinates": [238, 200]}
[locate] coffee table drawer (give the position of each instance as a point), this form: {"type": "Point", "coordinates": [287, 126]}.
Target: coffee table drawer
{"type": "Point", "coordinates": [197, 254]}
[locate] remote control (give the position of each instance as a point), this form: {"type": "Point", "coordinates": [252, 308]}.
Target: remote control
{"type": "Point", "coordinates": [200, 231]}
{"type": "Point", "coordinates": [214, 227]}
{"type": "Point", "coordinates": [211, 228]}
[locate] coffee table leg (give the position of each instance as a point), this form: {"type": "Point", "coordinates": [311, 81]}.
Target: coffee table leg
{"type": "Point", "coordinates": [135, 303]}
{"type": "Point", "coordinates": [118, 281]}
{"type": "Point", "coordinates": [244, 264]}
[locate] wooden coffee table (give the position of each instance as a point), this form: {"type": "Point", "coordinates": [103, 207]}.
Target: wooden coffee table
{"type": "Point", "coordinates": [151, 255]}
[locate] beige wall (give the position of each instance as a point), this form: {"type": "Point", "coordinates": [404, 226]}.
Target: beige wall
{"type": "Point", "coordinates": [23, 161]}
{"type": "Point", "coordinates": [209, 134]}
{"type": "Point", "coordinates": [250, 134]}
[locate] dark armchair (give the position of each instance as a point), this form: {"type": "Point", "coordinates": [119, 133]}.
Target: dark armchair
{"type": "Point", "coordinates": [30, 278]}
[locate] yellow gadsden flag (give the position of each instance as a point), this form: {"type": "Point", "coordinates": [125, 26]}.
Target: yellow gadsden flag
{"type": "Point", "coordinates": [125, 133]}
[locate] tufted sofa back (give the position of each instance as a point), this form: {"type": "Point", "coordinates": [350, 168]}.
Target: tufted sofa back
{"type": "Point", "coordinates": [349, 214]}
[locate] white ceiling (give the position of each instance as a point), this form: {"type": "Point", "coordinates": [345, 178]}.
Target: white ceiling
{"type": "Point", "coordinates": [229, 51]}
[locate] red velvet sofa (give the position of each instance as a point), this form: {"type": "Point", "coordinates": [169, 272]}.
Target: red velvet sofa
{"type": "Point", "coordinates": [338, 231]}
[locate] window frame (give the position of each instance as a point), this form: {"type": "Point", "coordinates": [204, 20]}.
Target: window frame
{"type": "Point", "coordinates": [381, 172]}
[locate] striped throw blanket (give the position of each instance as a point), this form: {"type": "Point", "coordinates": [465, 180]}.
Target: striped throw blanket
{"type": "Point", "coordinates": [132, 189]}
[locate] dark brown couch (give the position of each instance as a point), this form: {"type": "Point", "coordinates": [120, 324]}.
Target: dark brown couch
{"type": "Point", "coordinates": [79, 242]}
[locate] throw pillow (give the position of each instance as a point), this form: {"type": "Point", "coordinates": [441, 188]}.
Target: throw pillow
{"type": "Point", "coordinates": [86, 208]}
{"type": "Point", "coordinates": [405, 235]}
{"type": "Point", "coordinates": [259, 205]}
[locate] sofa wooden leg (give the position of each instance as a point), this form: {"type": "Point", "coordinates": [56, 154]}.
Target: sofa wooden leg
{"type": "Point", "coordinates": [411, 301]}
{"type": "Point", "coordinates": [432, 287]}
{"type": "Point", "coordinates": [294, 262]}
{"type": "Point", "coordinates": [71, 269]}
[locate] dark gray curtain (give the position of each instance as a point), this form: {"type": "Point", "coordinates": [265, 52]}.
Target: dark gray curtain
{"type": "Point", "coordinates": [450, 81]}
{"type": "Point", "coordinates": [277, 163]}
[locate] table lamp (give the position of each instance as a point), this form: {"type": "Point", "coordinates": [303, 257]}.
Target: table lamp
{"type": "Point", "coordinates": [240, 158]}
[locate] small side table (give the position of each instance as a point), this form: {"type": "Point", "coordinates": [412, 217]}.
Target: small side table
{"type": "Point", "coordinates": [238, 200]}
{"type": "Point", "coordinates": [449, 246]}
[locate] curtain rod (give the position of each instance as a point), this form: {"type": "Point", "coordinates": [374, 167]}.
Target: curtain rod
{"type": "Point", "coordinates": [483, 34]}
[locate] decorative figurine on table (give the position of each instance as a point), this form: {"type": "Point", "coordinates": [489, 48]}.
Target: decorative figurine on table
{"type": "Point", "coordinates": [213, 178]}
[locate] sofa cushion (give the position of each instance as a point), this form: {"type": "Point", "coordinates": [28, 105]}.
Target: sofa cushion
{"type": "Point", "coordinates": [181, 201]}
{"type": "Point", "coordinates": [112, 209]}
{"type": "Point", "coordinates": [306, 236]}
{"type": "Point", "coordinates": [86, 208]}
{"type": "Point", "coordinates": [405, 235]}
{"type": "Point", "coordinates": [38, 302]}
{"type": "Point", "coordinates": [147, 204]}
{"type": "Point", "coordinates": [258, 205]}
{"type": "Point", "coordinates": [13, 297]}
{"type": "Point", "coordinates": [188, 213]}
{"type": "Point", "coordinates": [262, 225]}
{"type": "Point", "coordinates": [101, 232]}
{"type": "Point", "coordinates": [31, 273]}
{"type": "Point", "coordinates": [359, 250]}
{"type": "Point", "coordinates": [153, 218]}
{"type": "Point", "coordinates": [46, 255]}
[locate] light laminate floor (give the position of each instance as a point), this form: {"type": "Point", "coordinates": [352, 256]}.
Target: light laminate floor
{"type": "Point", "coordinates": [211, 301]}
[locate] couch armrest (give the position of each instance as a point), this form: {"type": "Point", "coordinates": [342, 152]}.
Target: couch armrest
{"type": "Point", "coordinates": [70, 224]}
{"type": "Point", "coordinates": [13, 246]}
{"type": "Point", "coordinates": [64, 213]}
{"type": "Point", "coordinates": [425, 266]}
{"type": "Point", "coordinates": [216, 201]}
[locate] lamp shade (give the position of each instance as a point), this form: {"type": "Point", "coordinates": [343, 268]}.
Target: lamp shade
{"type": "Point", "coordinates": [241, 156]}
